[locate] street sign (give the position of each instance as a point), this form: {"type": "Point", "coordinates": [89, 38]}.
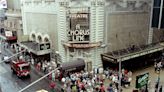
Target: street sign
{"type": "Point", "coordinates": [142, 80]}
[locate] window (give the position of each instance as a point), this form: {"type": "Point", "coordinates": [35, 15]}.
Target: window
{"type": "Point", "coordinates": [25, 68]}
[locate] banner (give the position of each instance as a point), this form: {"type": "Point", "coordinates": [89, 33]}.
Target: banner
{"type": "Point", "coordinates": [142, 80]}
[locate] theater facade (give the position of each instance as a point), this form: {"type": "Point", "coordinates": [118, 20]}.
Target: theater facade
{"type": "Point", "coordinates": [75, 28]}
{"type": "Point", "coordinates": [86, 28]}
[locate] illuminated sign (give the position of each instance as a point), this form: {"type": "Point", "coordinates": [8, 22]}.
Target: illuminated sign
{"type": "Point", "coordinates": [78, 34]}
{"type": "Point", "coordinates": [78, 27]}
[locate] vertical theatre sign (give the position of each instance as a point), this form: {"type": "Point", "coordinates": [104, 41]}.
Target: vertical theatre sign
{"type": "Point", "coordinates": [78, 29]}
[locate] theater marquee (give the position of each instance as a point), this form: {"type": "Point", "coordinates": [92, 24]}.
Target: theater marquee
{"type": "Point", "coordinates": [78, 29]}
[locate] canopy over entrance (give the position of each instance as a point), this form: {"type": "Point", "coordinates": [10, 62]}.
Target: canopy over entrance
{"type": "Point", "coordinates": [36, 48]}
{"type": "Point", "coordinates": [75, 65]}
{"type": "Point", "coordinates": [123, 55]}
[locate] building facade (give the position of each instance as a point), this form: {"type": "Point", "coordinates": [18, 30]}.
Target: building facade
{"type": "Point", "coordinates": [11, 26]}
{"type": "Point", "coordinates": [87, 28]}
{"type": "Point", "coordinates": [75, 28]}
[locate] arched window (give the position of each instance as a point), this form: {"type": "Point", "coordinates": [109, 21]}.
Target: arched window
{"type": "Point", "coordinates": [46, 39]}
{"type": "Point", "coordinates": [39, 38]}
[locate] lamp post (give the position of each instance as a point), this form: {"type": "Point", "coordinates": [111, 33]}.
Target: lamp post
{"type": "Point", "coordinates": [120, 75]}
{"type": "Point", "coordinates": [56, 58]}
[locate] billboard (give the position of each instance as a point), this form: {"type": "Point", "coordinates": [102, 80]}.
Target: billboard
{"type": "Point", "coordinates": [3, 4]}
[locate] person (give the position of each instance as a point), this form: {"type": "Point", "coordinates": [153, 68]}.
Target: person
{"type": "Point", "coordinates": [32, 61]}
{"type": "Point", "coordinates": [160, 89]}
{"type": "Point", "coordinates": [52, 86]}
{"type": "Point", "coordinates": [146, 89]}
{"type": "Point", "coordinates": [102, 88]}
{"type": "Point", "coordinates": [156, 87]}
{"type": "Point", "coordinates": [155, 66]}
{"type": "Point", "coordinates": [74, 88]}
{"type": "Point", "coordinates": [110, 88]}
{"type": "Point", "coordinates": [38, 66]}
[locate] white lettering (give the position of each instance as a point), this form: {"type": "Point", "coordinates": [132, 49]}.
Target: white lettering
{"type": "Point", "coordinates": [76, 15]}
{"type": "Point", "coordinates": [78, 32]}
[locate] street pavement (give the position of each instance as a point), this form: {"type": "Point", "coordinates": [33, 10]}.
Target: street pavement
{"type": "Point", "coordinates": [9, 82]}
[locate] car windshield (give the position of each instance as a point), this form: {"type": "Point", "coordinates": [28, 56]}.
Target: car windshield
{"type": "Point", "coordinates": [25, 67]}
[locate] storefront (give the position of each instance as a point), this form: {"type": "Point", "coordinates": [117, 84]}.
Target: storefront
{"type": "Point", "coordinates": [39, 52]}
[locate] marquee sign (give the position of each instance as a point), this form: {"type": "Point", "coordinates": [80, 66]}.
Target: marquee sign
{"type": "Point", "coordinates": [82, 45]}
{"type": "Point", "coordinates": [44, 46]}
{"type": "Point", "coordinates": [78, 29]}
{"type": "Point", "coordinates": [78, 34]}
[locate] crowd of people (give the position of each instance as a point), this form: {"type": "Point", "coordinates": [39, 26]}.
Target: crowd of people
{"type": "Point", "coordinates": [90, 81]}
{"type": "Point", "coordinates": [95, 82]}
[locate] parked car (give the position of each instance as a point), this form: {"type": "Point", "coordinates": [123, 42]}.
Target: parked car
{"type": "Point", "coordinates": [6, 58]}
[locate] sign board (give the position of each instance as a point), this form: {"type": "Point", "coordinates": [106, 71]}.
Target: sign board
{"type": "Point", "coordinates": [8, 33]}
{"type": "Point", "coordinates": [78, 26]}
{"type": "Point", "coordinates": [44, 46]}
{"type": "Point", "coordinates": [142, 80]}
{"type": "Point", "coordinates": [109, 59]}
{"type": "Point", "coordinates": [3, 4]}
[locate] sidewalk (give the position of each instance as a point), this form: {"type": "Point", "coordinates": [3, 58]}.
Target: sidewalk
{"type": "Point", "coordinates": [152, 77]}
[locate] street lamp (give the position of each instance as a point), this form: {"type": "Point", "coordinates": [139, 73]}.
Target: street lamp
{"type": "Point", "coordinates": [120, 75]}
{"type": "Point", "coordinates": [57, 58]}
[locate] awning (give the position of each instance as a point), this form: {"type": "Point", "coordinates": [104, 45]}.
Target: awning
{"type": "Point", "coordinates": [73, 65]}
{"type": "Point", "coordinates": [122, 56]}
{"type": "Point", "coordinates": [34, 48]}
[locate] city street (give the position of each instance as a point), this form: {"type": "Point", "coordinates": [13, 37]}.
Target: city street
{"type": "Point", "coordinates": [81, 46]}
{"type": "Point", "coordinates": [9, 82]}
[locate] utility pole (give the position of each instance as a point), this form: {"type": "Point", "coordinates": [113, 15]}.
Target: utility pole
{"type": "Point", "coordinates": [120, 74]}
